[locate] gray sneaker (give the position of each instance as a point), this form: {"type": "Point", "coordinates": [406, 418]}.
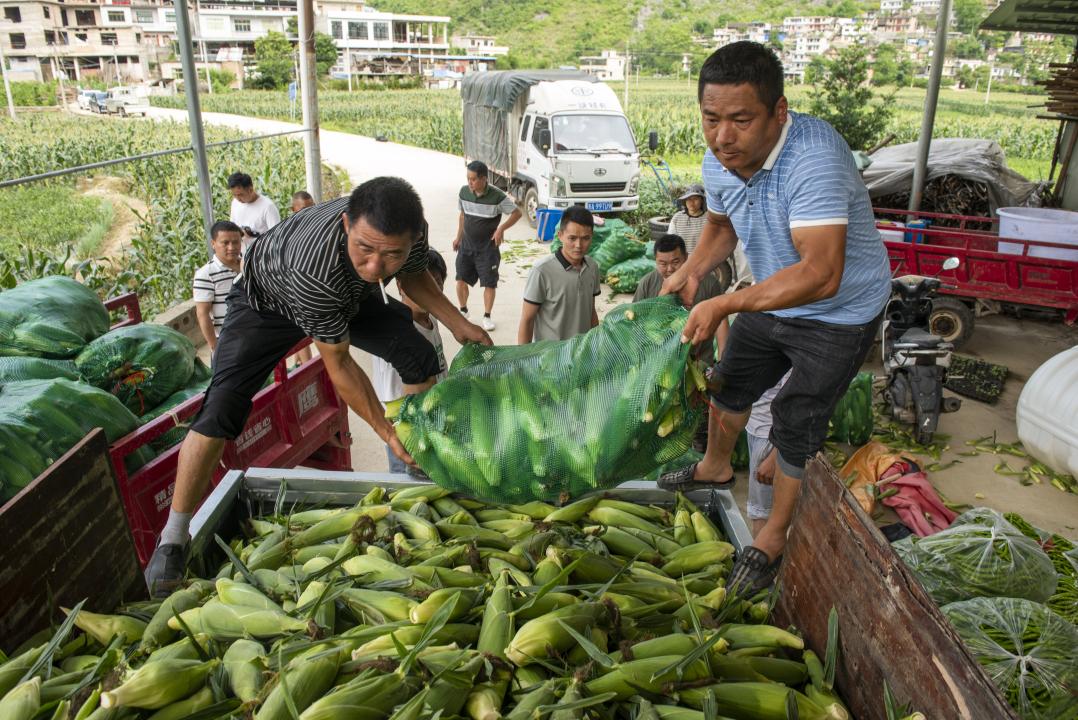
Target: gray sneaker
{"type": "Point", "coordinates": [166, 569]}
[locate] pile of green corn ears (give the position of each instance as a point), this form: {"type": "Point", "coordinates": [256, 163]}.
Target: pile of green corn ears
{"type": "Point", "coordinates": [419, 605]}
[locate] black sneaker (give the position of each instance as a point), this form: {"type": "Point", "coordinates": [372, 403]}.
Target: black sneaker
{"type": "Point", "coordinates": [166, 569]}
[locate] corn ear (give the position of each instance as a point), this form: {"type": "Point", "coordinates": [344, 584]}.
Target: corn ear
{"type": "Point", "coordinates": [496, 629]}
{"type": "Point", "coordinates": [362, 698]}
{"type": "Point", "coordinates": [684, 534]}
{"type": "Point", "coordinates": [228, 622]}
{"type": "Point", "coordinates": [743, 636]}
{"type": "Point", "coordinates": [305, 679]}
{"type": "Point", "coordinates": [155, 685]}
{"type": "Point", "coordinates": [705, 529]}
{"type": "Point", "coordinates": [463, 600]}
{"type": "Point", "coordinates": [646, 673]}
{"type": "Point", "coordinates": [185, 708]}
{"type": "Point", "coordinates": [697, 556]}
{"type": "Point", "coordinates": [245, 665]}
{"type": "Point", "coordinates": [765, 701]}
{"type": "Point", "coordinates": [485, 700]}
{"type": "Point", "coordinates": [527, 708]}
{"type": "Point", "coordinates": [619, 518]}
{"type": "Point", "coordinates": [240, 594]}
{"type": "Point", "coordinates": [157, 631]}
{"type": "Point", "coordinates": [536, 638]}
{"type": "Point", "coordinates": [415, 527]}
{"type": "Point", "coordinates": [23, 701]}
{"type": "Point", "coordinates": [381, 605]}
{"type": "Point", "coordinates": [572, 512]}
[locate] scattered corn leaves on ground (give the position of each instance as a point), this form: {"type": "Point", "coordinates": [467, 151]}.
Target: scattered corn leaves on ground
{"type": "Point", "coordinates": [423, 604]}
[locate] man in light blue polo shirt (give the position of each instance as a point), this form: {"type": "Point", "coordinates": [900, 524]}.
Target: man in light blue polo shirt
{"type": "Point", "coordinates": [786, 185]}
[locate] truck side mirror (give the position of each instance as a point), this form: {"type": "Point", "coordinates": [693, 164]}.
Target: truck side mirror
{"type": "Point", "coordinates": [544, 140]}
{"type": "Point", "coordinates": [653, 141]}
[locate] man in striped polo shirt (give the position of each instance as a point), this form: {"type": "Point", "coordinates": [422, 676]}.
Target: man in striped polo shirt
{"type": "Point", "coordinates": [213, 281]}
{"type": "Point", "coordinates": [479, 237]}
{"type": "Point", "coordinates": [316, 275]}
{"type": "Point", "coordinates": [786, 185]}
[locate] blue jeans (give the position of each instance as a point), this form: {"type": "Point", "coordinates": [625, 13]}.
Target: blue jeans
{"type": "Point", "coordinates": [396, 465]}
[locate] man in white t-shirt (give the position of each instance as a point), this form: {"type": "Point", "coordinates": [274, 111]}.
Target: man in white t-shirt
{"type": "Point", "coordinates": [254, 213]}
{"type": "Point", "coordinates": [388, 385]}
{"type": "Point", "coordinates": [213, 281]}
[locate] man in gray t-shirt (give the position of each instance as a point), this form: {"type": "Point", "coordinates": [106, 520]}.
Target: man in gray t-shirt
{"type": "Point", "coordinates": [671, 254]}
{"type": "Point", "coordinates": [559, 299]}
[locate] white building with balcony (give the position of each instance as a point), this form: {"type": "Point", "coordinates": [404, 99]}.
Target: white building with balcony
{"type": "Point", "coordinates": [373, 43]}
{"type": "Point", "coordinates": [483, 45]}
{"type": "Point", "coordinates": [609, 65]}
{"type": "Point", "coordinates": [44, 39]}
{"type": "Point", "coordinates": [799, 25]}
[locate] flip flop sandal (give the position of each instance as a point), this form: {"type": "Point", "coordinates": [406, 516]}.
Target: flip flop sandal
{"type": "Point", "coordinates": [752, 572]}
{"type": "Point", "coordinates": [682, 481]}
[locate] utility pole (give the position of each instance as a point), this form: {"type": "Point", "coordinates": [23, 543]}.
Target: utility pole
{"type": "Point", "coordinates": [194, 118]}
{"type": "Point", "coordinates": [308, 85]}
{"type": "Point", "coordinates": [988, 87]}
{"type": "Point", "coordinates": [627, 71]}
{"type": "Point", "coordinates": [202, 45]}
{"type": "Point", "coordinates": [7, 85]}
{"type": "Point", "coordinates": [924, 141]}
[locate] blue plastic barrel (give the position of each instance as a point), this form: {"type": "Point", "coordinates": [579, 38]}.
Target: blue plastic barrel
{"type": "Point", "coordinates": [547, 219]}
{"type": "Point", "coordinates": [912, 236]}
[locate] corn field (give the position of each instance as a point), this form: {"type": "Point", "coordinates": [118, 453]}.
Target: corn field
{"type": "Point", "coordinates": [168, 245]}
{"type": "Point", "coordinates": [432, 118]}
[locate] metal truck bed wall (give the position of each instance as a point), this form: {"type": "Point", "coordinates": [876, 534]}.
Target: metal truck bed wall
{"type": "Point", "coordinates": [64, 538]}
{"type": "Point", "coordinates": [254, 492]}
{"type": "Point", "coordinates": [890, 629]}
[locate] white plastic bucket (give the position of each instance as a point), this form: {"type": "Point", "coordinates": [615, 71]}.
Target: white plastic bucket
{"type": "Point", "coordinates": [1039, 224]}
{"type": "Point", "coordinates": [1047, 413]}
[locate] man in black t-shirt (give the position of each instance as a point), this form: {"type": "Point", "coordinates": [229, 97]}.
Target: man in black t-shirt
{"type": "Point", "coordinates": [315, 275]}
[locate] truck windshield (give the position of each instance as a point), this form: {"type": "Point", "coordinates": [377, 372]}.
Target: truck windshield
{"type": "Point", "coordinates": [592, 133]}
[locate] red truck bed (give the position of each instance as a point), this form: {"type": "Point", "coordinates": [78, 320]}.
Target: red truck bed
{"type": "Point", "coordinates": [299, 419]}
{"type": "Point", "coordinates": [985, 273]}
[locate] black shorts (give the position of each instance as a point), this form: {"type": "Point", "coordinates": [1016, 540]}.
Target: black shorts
{"type": "Point", "coordinates": [479, 265]}
{"type": "Point", "coordinates": [253, 341]}
{"type": "Point", "coordinates": [823, 357]}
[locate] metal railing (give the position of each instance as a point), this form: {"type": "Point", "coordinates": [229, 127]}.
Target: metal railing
{"type": "Point", "coordinates": [142, 156]}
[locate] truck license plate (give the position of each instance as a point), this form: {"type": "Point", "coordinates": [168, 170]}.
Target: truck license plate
{"type": "Point", "coordinates": [600, 206]}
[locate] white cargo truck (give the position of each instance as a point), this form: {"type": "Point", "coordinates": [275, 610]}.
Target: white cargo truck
{"type": "Point", "coordinates": [552, 139]}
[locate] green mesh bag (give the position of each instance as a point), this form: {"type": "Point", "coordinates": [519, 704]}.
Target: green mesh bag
{"type": "Point", "coordinates": [16, 368]}
{"type": "Point", "coordinates": [1064, 556]}
{"type": "Point", "coordinates": [1028, 651]}
{"type": "Point", "coordinates": [51, 317]}
{"type": "Point", "coordinates": [176, 435]}
{"type": "Point", "coordinates": [40, 420]}
{"type": "Point", "coordinates": [616, 250]}
{"type": "Point", "coordinates": [853, 420]}
{"type": "Point", "coordinates": [980, 555]}
{"type": "Point", "coordinates": [552, 420]}
{"type": "Point", "coordinates": [625, 276]}
{"type": "Point", "coordinates": [140, 364]}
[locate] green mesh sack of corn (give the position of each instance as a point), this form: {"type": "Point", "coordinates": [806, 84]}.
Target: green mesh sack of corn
{"type": "Point", "coordinates": [617, 249]}
{"type": "Point", "coordinates": [141, 364]}
{"type": "Point", "coordinates": [52, 317]}
{"type": "Point", "coordinates": [176, 435]}
{"type": "Point", "coordinates": [16, 368]}
{"type": "Point", "coordinates": [1028, 651]}
{"type": "Point", "coordinates": [551, 420]}
{"type": "Point", "coordinates": [980, 555]}
{"type": "Point", "coordinates": [40, 420]}
{"type": "Point", "coordinates": [853, 420]}
{"type": "Point", "coordinates": [625, 276]}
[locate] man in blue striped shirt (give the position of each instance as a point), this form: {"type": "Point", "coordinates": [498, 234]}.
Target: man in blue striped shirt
{"type": "Point", "coordinates": [786, 185]}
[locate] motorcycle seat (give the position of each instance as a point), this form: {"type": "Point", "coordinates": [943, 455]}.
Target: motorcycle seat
{"type": "Point", "coordinates": [920, 338]}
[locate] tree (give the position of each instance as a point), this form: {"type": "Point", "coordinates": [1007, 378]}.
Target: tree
{"type": "Point", "coordinates": [816, 69]}
{"type": "Point", "coordinates": [968, 14]}
{"type": "Point", "coordinates": [273, 54]}
{"type": "Point", "coordinates": [968, 48]}
{"type": "Point", "coordinates": [325, 53]}
{"type": "Point", "coordinates": [885, 66]}
{"type": "Point", "coordinates": [844, 98]}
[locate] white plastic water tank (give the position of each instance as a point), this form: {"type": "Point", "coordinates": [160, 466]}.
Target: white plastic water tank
{"type": "Point", "coordinates": [1047, 413]}
{"type": "Point", "coordinates": [1043, 224]}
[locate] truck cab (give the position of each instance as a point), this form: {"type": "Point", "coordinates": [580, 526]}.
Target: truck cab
{"type": "Point", "coordinates": [552, 140]}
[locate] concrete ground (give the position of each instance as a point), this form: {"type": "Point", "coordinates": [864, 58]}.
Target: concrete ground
{"type": "Point", "coordinates": [1020, 344]}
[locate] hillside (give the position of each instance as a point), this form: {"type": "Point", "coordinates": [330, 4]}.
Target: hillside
{"type": "Point", "coordinates": [543, 33]}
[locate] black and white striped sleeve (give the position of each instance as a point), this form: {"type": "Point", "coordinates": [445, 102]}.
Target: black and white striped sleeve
{"type": "Point", "coordinates": [317, 309]}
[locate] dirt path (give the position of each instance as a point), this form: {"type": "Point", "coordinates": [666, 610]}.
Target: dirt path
{"type": "Point", "coordinates": [1021, 345]}
{"type": "Point", "coordinates": [124, 207]}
